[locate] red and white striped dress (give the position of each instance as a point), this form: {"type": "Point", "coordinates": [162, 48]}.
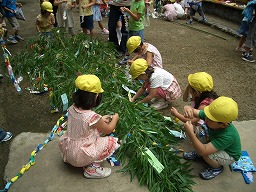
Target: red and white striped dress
{"type": "Point", "coordinates": [82, 144]}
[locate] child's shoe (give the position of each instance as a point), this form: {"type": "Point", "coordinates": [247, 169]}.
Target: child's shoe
{"type": "Point", "coordinates": [12, 39]}
{"type": "Point", "coordinates": [19, 38]}
{"type": "Point", "coordinates": [124, 60]}
{"type": "Point", "coordinates": [203, 20]}
{"type": "Point", "coordinates": [105, 31]}
{"type": "Point", "coordinates": [211, 172]}
{"type": "Point", "coordinates": [192, 155]}
{"type": "Point", "coordinates": [248, 57]}
{"type": "Point", "coordinates": [160, 104]}
{"type": "Point", "coordinates": [190, 21]}
{"type": "Point", "coordinates": [7, 137]}
{"type": "Point", "coordinates": [95, 171]}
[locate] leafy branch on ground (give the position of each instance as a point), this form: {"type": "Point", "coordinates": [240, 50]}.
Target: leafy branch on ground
{"type": "Point", "coordinates": [56, 63]}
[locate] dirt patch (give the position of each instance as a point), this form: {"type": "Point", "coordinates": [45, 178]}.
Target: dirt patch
{"type": "Point", "coordinates": [184, 51]}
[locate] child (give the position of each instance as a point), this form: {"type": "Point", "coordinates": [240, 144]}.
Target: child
{"type": "Point", "coordinates": [199, 93]}
{"type": "Point", "coordinates": [179, 9]}
{"type": "Point", "coordinates": [136, 27]}
{"type": "Point", "coordinates": [243, 31]}
{"type": "Point", "coordinates": [196, 6]}
{"type": "Point", "coordinates": [97, 16]}
{"type": "Point", "coordinates": [9, 7]}
{"type": "Point", "coordinates": [170, 13]}
{"type": "Point", "coordinates": [248, 13]}
{"type": "Point", "coordinates": [186, 7]}
{"type": "Point", "coordinates": [64, 15]}
{"type": "Point", "coordinates": [5, 136]}
{"type": "Point", "coordinates": [45, 20]}
{"type": "Point", "coordinates": [145, 51]}
{"type": "Point", "coordinates": [224, 147]}
{"type": "Point", "coordinates": [86, 15]}
{"type": "Point", "coordinates": [160, 85]}
{"type": "Point", "coordinates": [82, 145]}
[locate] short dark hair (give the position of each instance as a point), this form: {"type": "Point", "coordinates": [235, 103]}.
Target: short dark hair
{"type": "Point", "coordinates": [43, 12]}
{"type": "Point", "coordinates": [86, 100]}
{"type": "Point", "coordinates": [205, 94]}
{"type": "Point", "coordinates": [137, 49]}
{"type": "Point", "coordinates": [149, 71]}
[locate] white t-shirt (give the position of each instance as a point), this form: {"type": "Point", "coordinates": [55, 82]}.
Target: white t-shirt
{"type": "Point", "coordinates": [160, 78]}
{"type": "Point", "coordinates": [179, 9]}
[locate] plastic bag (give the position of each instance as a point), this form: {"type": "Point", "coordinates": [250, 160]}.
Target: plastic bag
{"type": "Point", "coordinates": [19, 14]}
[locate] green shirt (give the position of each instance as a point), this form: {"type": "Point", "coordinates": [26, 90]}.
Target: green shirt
{"type": "Point", "coordinates": [137, 7]}
{"type": "Point", "coordinates": [226, 139]}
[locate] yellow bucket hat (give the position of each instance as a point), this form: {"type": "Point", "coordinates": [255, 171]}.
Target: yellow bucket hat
{"type": "Point", "coordinates": [47, 6]}
{"type": "Point", "coordinates": [133, 43]}
{"type": "Point", "coordinates": [90, 83]}
{"type": "Point", "coordinates": [222, 109]}
{"type": "Point", "coordinates": [138, 67]}
{"type": "Point", "coordinates": [201, 81]}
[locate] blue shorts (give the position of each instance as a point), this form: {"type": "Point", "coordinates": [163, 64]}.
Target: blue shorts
{"type": "Point", "coordinates": [86, 22]}
{"type": "Point", "coordinates": [244, 28]}
{"type": "Point", "coordinates": [137, 33]}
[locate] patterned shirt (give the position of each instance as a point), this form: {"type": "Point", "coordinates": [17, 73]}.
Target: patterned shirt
{"type": "Point", "coordinates": [45, 24]}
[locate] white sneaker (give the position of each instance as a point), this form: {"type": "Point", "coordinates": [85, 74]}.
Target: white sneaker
{"type": "Point", "coordinates": [160, 104]}
{"type": "Point", "coordinates": [105, 31]}
{"type": "Point", "coordinates": [96, 172]}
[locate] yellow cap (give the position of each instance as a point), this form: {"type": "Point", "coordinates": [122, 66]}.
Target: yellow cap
{"type": "Point", "coordinates": [222, 109]}
{"type": "Point", "coordinates": [201, 81]}
{"type": "Point", "coordinates": [133, 43]}
{"type": "Point", "coordinates": [47, 6]}
{"type": "Point", "coordinates": [90, 83]}
{"type": "Point", "coordinates": [138, 67]}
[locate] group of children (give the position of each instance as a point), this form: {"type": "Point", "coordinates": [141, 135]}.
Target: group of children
{"type": "Point", "coordinates": [7, 9]}
{"type": "Point", "coordinates": [177, 9]}
{"type": "Point", "coordinates": [83, 145]}
{"type": "Point", "coordinates": [89, 12]}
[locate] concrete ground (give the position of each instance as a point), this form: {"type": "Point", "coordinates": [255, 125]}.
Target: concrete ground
{"type": "Point", "coordinates": [50, 174]}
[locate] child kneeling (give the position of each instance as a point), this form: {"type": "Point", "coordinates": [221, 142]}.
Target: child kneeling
{"type": "Point", "coordinates": [224, 147]}
{"type": "Point", "coordinates": [83, 145]}
{"type": "Point", "coordinates": [160, 86]}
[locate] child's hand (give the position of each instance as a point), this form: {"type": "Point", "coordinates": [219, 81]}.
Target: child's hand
{"type": "Point", "coordinates": [124, 9]}
{"type": "Point", "coordinates": [19, 4]}
{"type": "Point", "coordinates": [188, 112]}
{"type": "Point", "coordinates": [189, 127]}
{"type": "Point", "coordinates": [133, 100]}
{"type": "Point", "coordinates": [174, 111]}
{"type": "Point", "coordinates": [84, 6]}
{"type": "Point", "coordinates": [116, 116]}
{"type": "Point", "coordinates": [130, 61]}
{"type": "Point", "coordinates": [107, 118]}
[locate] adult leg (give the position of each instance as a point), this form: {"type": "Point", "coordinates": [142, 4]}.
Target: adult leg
{"type": "Point", "coordinates": [113, 17]}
